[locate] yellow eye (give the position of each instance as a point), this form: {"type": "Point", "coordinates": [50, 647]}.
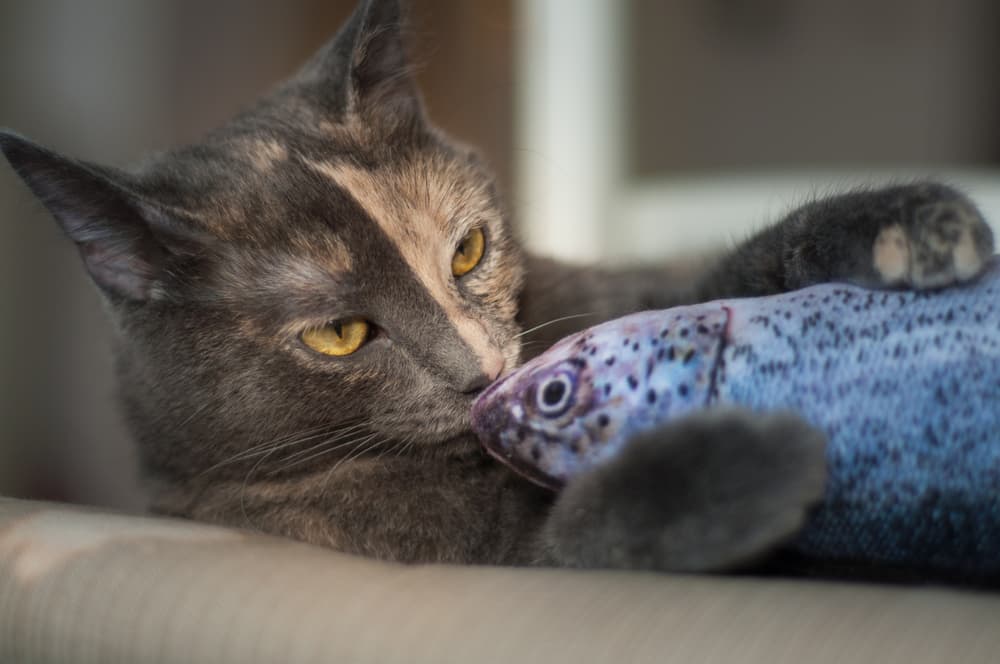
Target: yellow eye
{"type": "Point", "coordinates": [339, 338]}
{"type": "Point", "coordinates": [469, 252]}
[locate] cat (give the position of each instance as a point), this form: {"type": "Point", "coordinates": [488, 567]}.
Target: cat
{"type": "Point", "coordinates": [306, 303]}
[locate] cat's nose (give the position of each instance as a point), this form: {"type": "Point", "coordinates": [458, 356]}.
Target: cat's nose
{"type": "Point", "coordinates": [492, 366]}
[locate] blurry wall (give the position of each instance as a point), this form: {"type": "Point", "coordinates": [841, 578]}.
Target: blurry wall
{"type": "Point", "coordinates": [776, 84]}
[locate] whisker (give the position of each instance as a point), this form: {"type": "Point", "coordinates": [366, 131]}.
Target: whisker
{"type": "Point", "coordinates": [246, 483]}
{"type": "Point", "coordinates": [409, 444]}
{"type": "Point", "coordinates": [363, 446]}
{"type": "Point", "coordinates": [270, 446]}
{"type": "Point", "coordinates": [339, 435]}
{"type": "Point", "coordinates": [552, 322]}
{"type": "Point", "coordinates": [324, 447]}
{"type": "Point", "coordinates": [195, 413]}
{"type": "Point", "coordinates": [394, 448]}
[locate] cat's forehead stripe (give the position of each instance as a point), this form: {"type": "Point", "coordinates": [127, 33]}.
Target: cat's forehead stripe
{"type": "Point", "coordinates": [415, 233]}
{"type": "Point", "coordinates": [266, 154]}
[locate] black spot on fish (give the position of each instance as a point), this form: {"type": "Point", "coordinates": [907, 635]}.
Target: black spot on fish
{"type": "Point", "coordinates": [684, 332]}
{"type": "Point", "coordinates": [607, 389]}
{"type": "Point", "coordinates": [651, 397]}
{"type": "Point", "coordinates": [632, 382]}
{"type": "Point", "coordinates": [578, 362]}
{"type": "Point", "coordinates": [574, 447]}
{"type": "Point", "coordinates": [682, 389]}
{"type": "Point", "coordinates": [940, 396]}
{"type": "Point", "coordinates": [536, 453]}
{"type": "Point", "coordinates": [635, 346]}
{"type": "Point", "coordinates": [689, 355]}
{"type": "Point", "coordinates": [671, 354]}
{"type": "Point", "coordinates": [625, 342]}
{"type": "Point", "coordinates": [702, 329]}
{"type": "Point", "coordinates": [610, 360]}
{"type": "Point", "coordinates": [603, 420]}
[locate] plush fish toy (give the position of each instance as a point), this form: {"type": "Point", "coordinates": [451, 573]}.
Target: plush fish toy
{"type": "Point", "coordinates": [906, 385]}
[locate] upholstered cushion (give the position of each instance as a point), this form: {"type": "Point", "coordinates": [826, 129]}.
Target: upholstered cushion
{"type": "Point", "coordinates": [80, 586]}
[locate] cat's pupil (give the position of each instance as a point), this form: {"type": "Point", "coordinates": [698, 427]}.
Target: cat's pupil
{"type": "Point", "coordinates": [462, 247]}
{"type": "Point", "coordinates": [338, 329]}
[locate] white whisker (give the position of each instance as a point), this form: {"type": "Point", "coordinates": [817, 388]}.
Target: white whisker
{"type": "Point", "coordinates": [552, 322]}
{"type": "Point", "coordinates": [339, 435]}
{"type": "Point", "coordinates": [324, 447]}
{"type": "Point", "coordinates": [270, 446]}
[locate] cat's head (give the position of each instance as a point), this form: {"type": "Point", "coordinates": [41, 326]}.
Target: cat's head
{"type": "Point", "coordinates": [326, 267]}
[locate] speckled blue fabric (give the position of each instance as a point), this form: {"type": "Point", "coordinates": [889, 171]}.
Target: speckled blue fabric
{"type": "Point", "coordinates": [906, 385]}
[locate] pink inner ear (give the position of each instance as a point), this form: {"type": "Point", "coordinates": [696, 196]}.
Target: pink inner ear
{"type": "Point", "coordinates": [117, 270]}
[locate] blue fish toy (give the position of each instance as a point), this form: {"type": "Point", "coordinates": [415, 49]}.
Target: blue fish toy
{"type": "Point", "coordinates": [906, 386]}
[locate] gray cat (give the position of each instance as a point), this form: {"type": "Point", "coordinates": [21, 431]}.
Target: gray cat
{"type": "Point", "coordinates": [306, 303]}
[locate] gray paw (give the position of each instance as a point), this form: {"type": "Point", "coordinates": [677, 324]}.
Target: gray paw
{"type": "Point", "coordinates": [945, 242]}
{"type": "Point", "coordinates": [706, 493]}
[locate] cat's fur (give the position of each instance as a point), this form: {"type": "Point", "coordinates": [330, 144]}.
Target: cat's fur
{"type": "Point", "coordinates": [335, 197]}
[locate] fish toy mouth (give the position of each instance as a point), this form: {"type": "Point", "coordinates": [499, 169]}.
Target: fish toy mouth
{"type": "Point", "coordinates": [498, 417]}
{"type": "Point", "coordinates": [526, 470]}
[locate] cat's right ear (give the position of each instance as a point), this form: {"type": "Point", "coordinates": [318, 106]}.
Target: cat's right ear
{"type": "Point", "coordinates": [125, 240]}
{"type": "Point", "coordinates": [365, 70]}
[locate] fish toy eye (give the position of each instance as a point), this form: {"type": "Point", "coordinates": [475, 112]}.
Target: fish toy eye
{"type": "Point", "coordinates": [554, 395]}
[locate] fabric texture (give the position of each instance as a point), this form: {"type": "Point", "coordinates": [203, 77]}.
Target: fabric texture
{"type": "Point", "coordinates": [85, 587]}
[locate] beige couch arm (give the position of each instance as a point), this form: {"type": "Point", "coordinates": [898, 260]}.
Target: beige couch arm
{"type": "Point", "coordinates": [80, 586]}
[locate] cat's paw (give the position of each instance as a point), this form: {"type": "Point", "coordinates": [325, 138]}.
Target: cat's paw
{"type": "Point", "coordinates": [924, 235]}
{"type": "Point", "coordinates": [944, 241]}
{"type": "Point", "coordinates": [710, 492]}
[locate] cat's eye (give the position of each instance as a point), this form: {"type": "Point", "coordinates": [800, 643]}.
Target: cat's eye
{"type": "Point", "coordinates": [469, 252]}
{"type": "Point", "coordinates": [338, 338]}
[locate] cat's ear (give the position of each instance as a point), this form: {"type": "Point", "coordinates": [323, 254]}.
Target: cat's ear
{"type": "Point", "coordinates": [365, 69]}
{"type": "Point", "coordinates": [125, 241]}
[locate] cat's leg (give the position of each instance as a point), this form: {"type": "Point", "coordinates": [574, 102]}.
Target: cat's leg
{"type": "Point", "coordinates": [923, 235]}
{"type": "Point", "coordinates": [920, 236]}
{"type": "Point", "coordinates": [709, 492]}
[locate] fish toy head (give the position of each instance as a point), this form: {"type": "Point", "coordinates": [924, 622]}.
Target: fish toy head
{"type": "Point", "coordinates": [575, 405]}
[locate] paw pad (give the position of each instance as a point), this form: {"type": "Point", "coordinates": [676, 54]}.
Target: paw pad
{"type": "Point", "coordinates": [947, 242]}
{"type": "Point", "coordinates": [892, 255]}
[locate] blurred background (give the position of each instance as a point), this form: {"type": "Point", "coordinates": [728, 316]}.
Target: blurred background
{"type": "Point", "coordinates": [619, 130]}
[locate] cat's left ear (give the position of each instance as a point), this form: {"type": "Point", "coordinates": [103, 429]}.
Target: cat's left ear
{"type": "Point", "coordinates": [126, 240]}
{"type": "Point", "coordinates": [365, 70]}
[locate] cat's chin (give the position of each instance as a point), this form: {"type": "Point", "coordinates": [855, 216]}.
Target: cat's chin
{"type": "Point", "coordinates": [459, 430]}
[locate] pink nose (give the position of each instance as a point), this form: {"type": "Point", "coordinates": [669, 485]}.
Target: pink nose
{"type": "Point", "coordinates": [492, 365]}
{"type": "Point", "coordinates": [490, 368]}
